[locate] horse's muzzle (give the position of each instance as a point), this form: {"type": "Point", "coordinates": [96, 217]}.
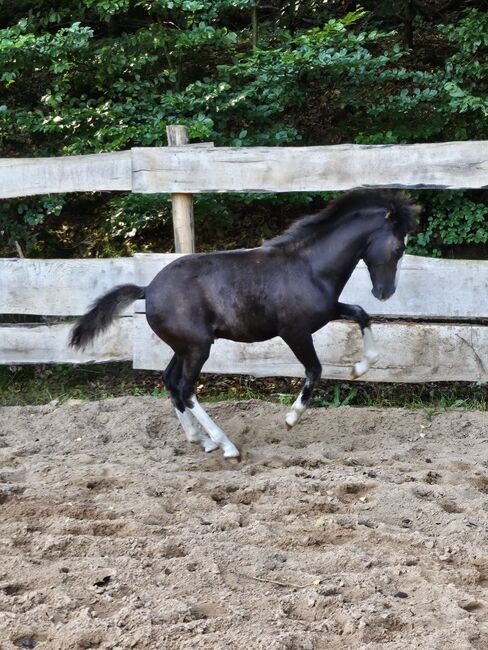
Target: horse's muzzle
{"type": "Point", "coordinates": [382, 294]}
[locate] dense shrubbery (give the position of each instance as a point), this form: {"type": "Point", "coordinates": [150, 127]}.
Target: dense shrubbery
{"type": "Point", "coordinates": [104, 75]}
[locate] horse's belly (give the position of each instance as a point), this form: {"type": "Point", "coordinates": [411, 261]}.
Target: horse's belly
{"type": "Point", "coordinates": [245, 335]}
{"type": "Point", "coordinates": [246, 328]}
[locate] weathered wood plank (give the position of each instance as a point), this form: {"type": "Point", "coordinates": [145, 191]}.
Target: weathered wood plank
{"type": "Point", "coordinates": [192, 169]}
{"type": "Point", "coordinates": [410, 352]}
{"type": "Point", "coordinates": [24, 344]}
{"type": "Point", "coordinates": [297, 169]}
{"type": "Point", "coordinates": [92, 173]}
{"type": "Point", "coordinates": [58, 287]}
{"type": "Point", "coordinates": [428, 287]}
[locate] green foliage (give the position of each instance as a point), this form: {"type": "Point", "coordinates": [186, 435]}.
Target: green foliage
{"type": "Point", "coordinates": [106, 75]}
{"type": "Point", "coordinates": [452, 219]}
{"type": "Point", "coordinates": [20, 220]}
{"type": "Point", "coordinates": [466, 84]}
{"type": "Point", "coordinates": [130, 215]}
{"type": "Point", "coordinates": [337, 399]}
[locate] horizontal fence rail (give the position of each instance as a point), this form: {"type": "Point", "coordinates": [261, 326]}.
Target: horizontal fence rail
{"type": "Point", "coordinates": [409, 352]}
{"type": "Point", "coordinates": [445, 292]}
{"type": "Point", "coordinates": [194, 168]}
{"type": "Point", "coordinates": [92, 173]}
{"type": "Point", "coordinates": [310, 169]}
{"type": "Point", "coordinates": [59, 287]}
{"type": "Point", "coordinates": [48, 343]}
{"type": "Point", "coordinates": [429, 288]}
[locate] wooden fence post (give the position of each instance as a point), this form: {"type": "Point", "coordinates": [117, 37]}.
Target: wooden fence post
{"type": "Point", "coordinates": [183, 225]}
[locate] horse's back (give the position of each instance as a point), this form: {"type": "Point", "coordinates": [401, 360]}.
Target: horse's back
{"type": "Point", "coordinates": [218, 292]}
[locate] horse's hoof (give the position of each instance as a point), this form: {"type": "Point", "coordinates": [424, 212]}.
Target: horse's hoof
{"type": "Point", "coordinates": [233, 460]}
{"type": "Point", "coordinates": [360, 368]}
{"type": "Point", "coordinates": [209, 445]}
{"type": "Point", "coordinates": [291, 419]}
{"type": "Point", "coordinates": [231, 451]}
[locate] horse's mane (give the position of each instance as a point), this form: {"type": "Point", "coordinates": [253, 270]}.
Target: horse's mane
{"type": "Point", "coordinates": [403, 213]}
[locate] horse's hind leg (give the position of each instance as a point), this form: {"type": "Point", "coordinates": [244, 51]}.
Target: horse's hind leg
{"type": "Point", "coordinates": [370, 351]}
{"type": "Point", "coordinates": [303, 348]}
{"type": "Point", "coordinates": [172, 378]}
{"type": "Point", "coordinates": [192, 363]}
{"type": "Point", "coordinates": [216, 434]}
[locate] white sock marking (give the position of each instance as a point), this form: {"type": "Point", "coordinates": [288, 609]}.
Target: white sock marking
{"type": "Point", "coordinates": [192, 433]}
{"type": "Point", "coordinates": [296, 412]}
{"type": "Point", "coordinates": [214, 431]}
{"type": "Point", "coordinates": [370, 354]}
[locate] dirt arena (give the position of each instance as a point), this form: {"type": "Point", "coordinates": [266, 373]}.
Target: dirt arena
{"type": "Point", "coordinates": [360, 528]}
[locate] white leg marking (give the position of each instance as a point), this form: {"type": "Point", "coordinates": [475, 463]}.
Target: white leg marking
{"type": "Point", "coordinates": [296, 412]}
{"type": "Point", "coordinates": [370, 354]}
{"type": "Point", "coordinates": [213, 430]}
{"type": "Point", "coordinates": [192, 433]}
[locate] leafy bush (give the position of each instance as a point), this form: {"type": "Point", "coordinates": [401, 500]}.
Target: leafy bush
{"type": "Point", "coordinates": [105, 75]}
{"type": "Point", "coordinates": [452, 220]}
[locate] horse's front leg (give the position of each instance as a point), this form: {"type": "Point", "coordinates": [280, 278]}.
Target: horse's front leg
{"type": "Point", "coordinates": [370, 351]}
{"type": "Point", "coordinates": [302, 346]}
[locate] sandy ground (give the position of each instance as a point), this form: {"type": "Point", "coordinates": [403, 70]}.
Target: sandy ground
{"type": "Point", "coordinates": [360, 528]}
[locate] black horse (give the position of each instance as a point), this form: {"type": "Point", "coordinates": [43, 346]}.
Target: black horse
{"type": "Point", "coordinates": [288, 287]}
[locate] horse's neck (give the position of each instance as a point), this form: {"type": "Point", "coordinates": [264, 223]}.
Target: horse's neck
{"type": "Point", "coordinates": [334, 256]}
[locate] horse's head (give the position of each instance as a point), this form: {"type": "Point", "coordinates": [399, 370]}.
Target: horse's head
{"type": "Point", "coordinates": [385, 248]}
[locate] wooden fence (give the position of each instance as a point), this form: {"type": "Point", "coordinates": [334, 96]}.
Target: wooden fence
{"type": "Point", "coordinates": [435, 328]}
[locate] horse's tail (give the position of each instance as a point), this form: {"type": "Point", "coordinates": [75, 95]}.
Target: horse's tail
{"type": "Point", "coordinates": [103, 312]}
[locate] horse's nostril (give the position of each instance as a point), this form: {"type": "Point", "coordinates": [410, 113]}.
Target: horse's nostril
{"type": "Point", "coordinates": [381, 293]}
